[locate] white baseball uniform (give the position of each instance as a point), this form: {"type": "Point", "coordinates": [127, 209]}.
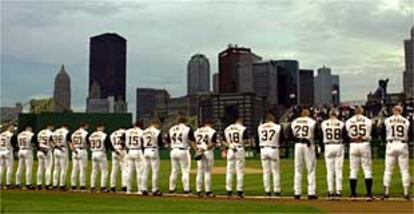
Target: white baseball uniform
{"type": "Point", "coordinates": [6, 156]}
{"type": "Point", "coordinates": [303, 129]}
{"type": "Point", "coordinates": [119, 158]}
{"type": "Point", "coordinates": [60, 139]}
{"type": "Point", "coordinates": [179, 137]}
{"type": "Point", "coordinates": [133, 141]}
{"type": "Point", "coordinates": [152, 141]}
{"type": "Point", "coordinates": [332, 133]}
{"type": "Point", "coordinates": [79, 157]}
{"type": "Point", "coordinates": [98, 143]}
{"type": "Point", "coordinates": [44, 157]}
{"type": "Point", "coordinates": [24, 141]}
{"type": "Point", "coordinates": [235, 134]}
{"type": "Point", "coordinates": [359, 152]}
{"type": "Point", "coordinates": [269, 135]}
{"type": "Point", "coordinates": [397, 136]}
{"type": "Point", "coordinates": [205, 136]}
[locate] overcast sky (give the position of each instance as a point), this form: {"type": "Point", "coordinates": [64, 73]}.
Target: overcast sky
{"type": "Point", "coordinates": [362, 40]}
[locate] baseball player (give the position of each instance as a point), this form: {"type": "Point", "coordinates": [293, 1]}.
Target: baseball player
{"type": "Point", "coordinates": [25, 154]}
{"type": "Point", "coordinates": [270, 135]}
{"type": "Point", "coordinates": [99, 143]}
{"type": "Point", "coordinates": [360, 131]}
{"type": "Point", "coordinates": [180, 138]}
{"type": "Point", "coordinates": [205, 141]}
{"type": "Point", "coordinates": [133, 141]}
{"type": "Point", "coordinates": [60, 139]}
{"type": "Point", "coordinates": [397, 132]}
{"type": "Point", "coordinates": [44, 157]}
{"type": "Point", "coordinates": [152, 141]}
{"type": "Point", "coordinates": [79, 146]}
{"type": "Point", "coordinates": [235, 138]}
{"type": "Point", "coordinates": [303, 134]}
{"type": "Point", "coordinates": [7, 143]}
{"type": "Point", "coordinates": [333, 133]}
{"type": "Point", "coordinates": [119, 159]}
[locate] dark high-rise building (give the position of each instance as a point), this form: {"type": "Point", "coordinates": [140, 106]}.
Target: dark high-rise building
{"type": "Point", "coordinates": [409, 66]}
{"type": "Point", "coordinates": [151, 103]}
{"type": "Point", "coordinates": [62, 92]}
{"type": "Point", "coordinates": [287, 81]}
{"type": "Point", "coordinates": [265, 81]}
{"type": "Point", "coordinates": [107, 65]}
{"type": "Point", "coordinates": [306, 87]}
{"type": "Point", "coordinates": [236, 69]}
{"type": "Point", "coordinates": [216, 83]}
{"type": "Point", "coordinates": [198, 75]}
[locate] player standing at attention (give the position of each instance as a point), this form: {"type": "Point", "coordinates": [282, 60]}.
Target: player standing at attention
{"type": "Point", "coordinates": [7, 143]}
{"type": "Point", "coordinates": [99, 143]}
{"type": "Point", "coordinates": [152, 142]}
{"type": "Point", "coordinates": [60, 139]}
{"type": "Point", "coordinates": [44, 157]}
{"type": "Point", "coordinates": [236, 136]}
{"type": "Point", "coordinates": [333, 133]}
{"type": "Point", "coordinates": [79, 156]}
{"type": "Point", "coordinates": [119, 159]}
{"type": "Point", "coordinates": [133, 141]}
{"type": "Point", "coordinates": [270, 135]}
{"type": "Point", "coordinates": [397, 132]}
{"type": "Point", "coordinates": [24, 141]}
{"type": "Point", "coordinates": [303, 134]}
{"type": "Point", "coordinates": [360, 131]}
{"type": "Point", "coordinates": [205, 141]}
{"type": "Point", "coordinates": [180, 138]}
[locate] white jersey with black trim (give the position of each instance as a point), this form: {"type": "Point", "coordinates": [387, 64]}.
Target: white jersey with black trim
{"type": "Point", "coordinates": [150, 138]}
{"type": "Point", "coordinates": [5, 140]}
{"type": "Point", "coordinates": [97, 141]}
{"type": "Point", "coordinates": [44, 138]}
{"type": "Point", "coordinates": [117, 139]}
{"type": "Point", "coordinates": [179, 136]}
{"type": "Point", "coordinates": [59, 138]}
{"type": "Point", "coordinates": [205, 136]}
{"type": "Point", "coordinates": [332, 130]}
{"type": "Point", "coordinates": [79, 140]}
{"type": "Point", "coordinates": [359, 126]}
{"type": "Point", "coordinates": [397, 128]}
{"type": "Point", "coordinates": [133, 138]}
{"type": "Point", "coordinates": [304, 128]}
{"type": "Point", "coordinates": [24, 140]}
{"type": "Point", "coordinates": [269, 134]}
{"type": "Point", "coordinates": [235, 134]}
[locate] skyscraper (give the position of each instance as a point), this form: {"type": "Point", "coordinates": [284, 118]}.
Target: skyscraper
{"type": "Point", "coordinates": [107, 65]}
{"type": "Point", "coordinates": [306, 87]}
{"type": "Point", "coordinates": [287, 81]}
{"type": "Point", "coordinates": [409, 66]}
{"type": "Point", "coordinates": [198, 75]}
{"type": "Point", "coordinates": [62, 92]}
{"type": "Point", "coordinates": [327, 87]}
{"type": "Point", "coordinates": [265, 81]}
{"type": "Point", "coordinates": [216, 83]}
{"type": "Point", "coordinates": [236, 69]}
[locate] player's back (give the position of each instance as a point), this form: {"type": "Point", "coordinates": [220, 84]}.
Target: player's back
{"type": "Point", "coordinates": [117, 138]}
{"type": "Point", "coordinates": [133, 138]}
{"type": "Point", "coordinates": [5, 140]}
{"type": "Point", "coordinates": [97, 141]}
{"type": "Point", "coordinates": [303, 128]}
{"type": "Point", "coordinates": [332, 130]}
{"type": "Point", "coordinates": [235, 133]}
{"type": "Point", "coordinates": [359, 126]}
{"type": "Point", "coordinates": [44, 137]}
{"type": "Point", "coordinates": [151, 137]}
{"type": "Point", "coordinates": [79, 138]}
{"type": "Point", "coordinates": [205, 135]}
{"type": "Point", "coordinates": [60, 136]}
{"type": "Point", "coordinates": [180, 136]}
{"type": "Point", "coordinates": [24, 140]}
{"type": "Point", "coordinates": [269, 134]}
{"type": "Point", "coordinates": [397, 128]}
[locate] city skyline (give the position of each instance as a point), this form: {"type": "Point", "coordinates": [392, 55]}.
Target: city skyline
{"type": "Point", "coordinates": [157, 65]}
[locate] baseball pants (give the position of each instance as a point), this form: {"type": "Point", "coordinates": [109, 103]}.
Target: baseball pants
{"type": "Point", "coordinates": [134, 165]}
{"type": "Point", "coordinates": [61, 167]}
{"type": "Point", "coordinates": [334, 158]}
{"type": "Point", "coordinates": [6, 164]}
{"type": "Point", "coordinates": [99, 162]}
{"type": "Point", "coordinates": [204, 168]}
{"type": "Point", "coordinates": [79, 164]}
{"type": "Point", "coordinates": [45, 164]}
{"type": "Point", "coordinates": [180, 159]}
{"type": "Point", "coordinates": [151, 162]}
{"type": "Point", "coordinates": [119, 162]}
{"type": "Point", "coordinates": [360, 155]}
{"type": "Point", "coordinates": [235, 162]}
{"type": "Point", "coordinates": [397, 152]}
{"type": "Point", "coordinates": [25, 163]}
{"type": "Point", "coordinates": [304, 155]}
{"type": "Point", "coordinates": [270, 164]}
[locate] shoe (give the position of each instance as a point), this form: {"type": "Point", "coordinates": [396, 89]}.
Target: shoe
{"type": "Point", "coordinates": [229, 194]}
{"type": "Point", "coordinates": [172, 191]}
{"type": "Point", "coordinates": [312, 197]}
{"type": "Point", "coordinates": [103, 189]}
{"type": "Point", "coordinates": [55, 188]}
{"type": "Point", "coordinates": [331, 196]}
{"type": "Point", "coordinates": [9, 186]}
{"type": "Point", "coordinates": [240, 194]}
{"type": "Point", "coordinates": [370, 198]}
{"type": "Point", "coordinates": [296, 197]}
{"type": "Point", "coordinates": [144, 193]}
{"type": "Point", "coordinates": [338, 196]}
{"type": "Point", "coordinates": [48, 187]}
{"type": "Point", "coordinates": [92, 189]}
{"type": "Point", "coordinates": [124, 189]}
{"type": "Point", "coordinates": [407, 197]}
{"type": "Point", "coordinates": [63, 188]}
{"type": "Point", "coordinates": [83, 189]}
{"type": "Point", "coordinates": [199, 194]}
{"type": "Point", "coordinates": [157, 193]}
{"type": "Point", "coordinates": [187, 192]}
{"type": "Point", "coordinates": [268, 194]}
{"type": "Point", "coordinates": [385, 197]}
{"type": "Point", "coordinates": [276, 194]}
{"type": "Point", "coordinates": [73, 188]}
{"type": "Point", "coordinates": [30, 187]}
{"type": "Point", "coordinates": [113, 189]}
{"type": "Point", "coordinates": [39, 187]}
{"type": "Point", "coordinates": [210, 195]}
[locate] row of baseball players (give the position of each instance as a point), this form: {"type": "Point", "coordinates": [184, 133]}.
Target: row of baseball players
{"type": "Point", "coordinates": [137, 151]}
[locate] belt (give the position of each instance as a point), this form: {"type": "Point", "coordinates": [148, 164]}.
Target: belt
{"type": "Point", "coordinates": [396, 141]}
{"type": "Point", "coordinates": [272, 147]}
{"type": "Point", "coordinates": [25, 149]}
{"type": "Point", "coordinates": [151, 147]}
{"type": "Point", "coordinates": [332, 143]}
{"type": "Point", "coordinates": [135, 149]}
{"type": "Point", "coordinates": [179, 148]}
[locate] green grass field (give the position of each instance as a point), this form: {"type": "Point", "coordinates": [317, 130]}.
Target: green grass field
{"type": "Point", "coordinates": [45, 201]}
